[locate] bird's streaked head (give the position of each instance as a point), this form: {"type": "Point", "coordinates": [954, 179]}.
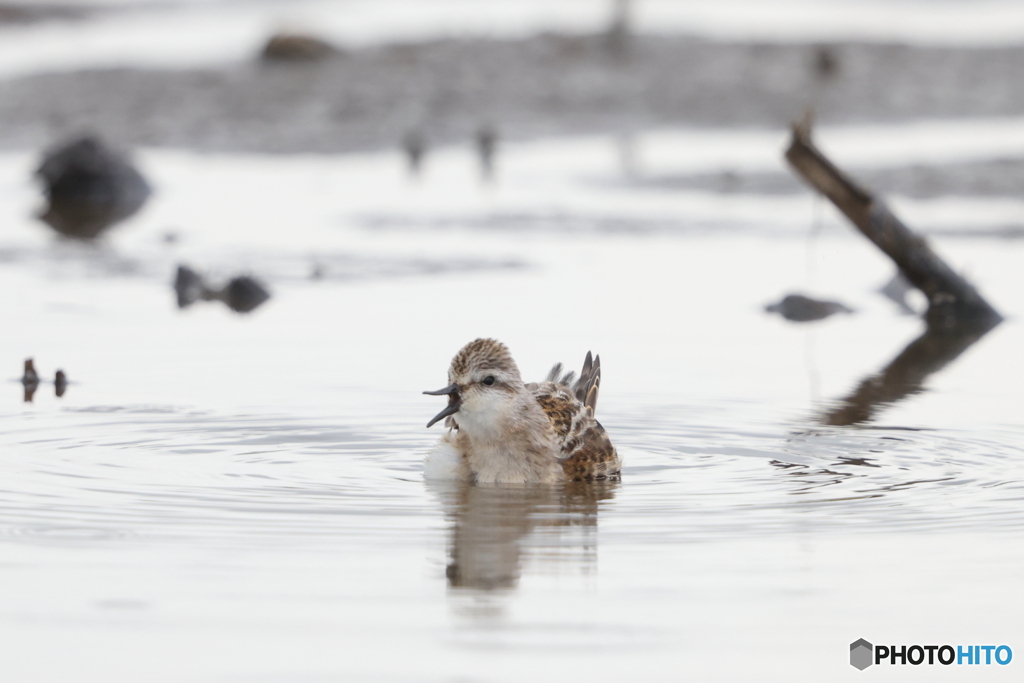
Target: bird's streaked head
{"type": "Point", "coordinates": [482, 378]}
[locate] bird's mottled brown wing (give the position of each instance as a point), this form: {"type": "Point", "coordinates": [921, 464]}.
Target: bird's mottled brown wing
{"type": "Point", "coordinates": [586, 450]}
{"type": "Point", "coordinates": [595, 458]}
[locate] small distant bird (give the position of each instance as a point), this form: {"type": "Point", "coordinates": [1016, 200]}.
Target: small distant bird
{"type": "Point", "coordinates": [617, 37]}
{"type": "Point", "coordinates": [241, 294]}
{"type": "Point", "coordinates": [89, 188]}
{"type": "Point", "coordinates": [60, 383]}
{"type": "Point", "coordinates": [30, 380]}
{"type": "Point", "coordinates": [802, 309]}
{"type": "Point", "coordinates": [826, 63]}
{"type": "Point", "coordinates": [415, 146]}
{"type": "Point", "coordinates": [30, 376]}
{"type": "Point", "coordinates": [504, 431]}
{"type": "Point", "coordinates": [486, 146]}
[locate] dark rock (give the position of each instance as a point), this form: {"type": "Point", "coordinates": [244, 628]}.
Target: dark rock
{"type": "Point", "coordinates": [60, 383]}
{"type": "Point", "coordinates": [189, 286]}
{"type": "Point", "coordinates": [241, 294]}
{"type": "Point", "coordinates": [89, 188]}
{"type": "Point", "coordinates": [802, 309]}
{"type": "Point", "coordinates": [292, 47]}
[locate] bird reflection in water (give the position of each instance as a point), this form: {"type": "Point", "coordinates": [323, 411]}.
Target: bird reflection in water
{"type": "Point", "coordinates": [496, 528]}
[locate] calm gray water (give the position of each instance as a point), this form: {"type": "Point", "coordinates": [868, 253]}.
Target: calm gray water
{"type": "Point", "coordinates": [238, 498]}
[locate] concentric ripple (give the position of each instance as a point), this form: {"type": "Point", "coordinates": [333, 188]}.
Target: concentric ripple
{"type": "Point", "coordinates": [150, 472]}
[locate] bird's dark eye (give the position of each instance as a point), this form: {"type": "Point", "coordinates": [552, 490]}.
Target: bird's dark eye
{"type": "Point", "coordinates": [489, 380]}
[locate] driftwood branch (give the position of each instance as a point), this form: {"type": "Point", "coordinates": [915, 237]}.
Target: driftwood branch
{"type": "Point", "coordinates": [957, 315]}
{"type": "Point", "coordinates": [952, 301]}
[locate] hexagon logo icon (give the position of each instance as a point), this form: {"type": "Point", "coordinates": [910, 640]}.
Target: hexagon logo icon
{"type": "Point", "coordinates": [861, 652]}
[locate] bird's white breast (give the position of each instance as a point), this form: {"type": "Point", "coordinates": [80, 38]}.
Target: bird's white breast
{"type": "Point", "coordinates": [445, 461]}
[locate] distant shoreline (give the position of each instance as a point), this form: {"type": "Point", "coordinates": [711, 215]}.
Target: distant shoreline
{"type": "Point", "coordinates": [27, 12]}
{"type": "Point", "coordinates": [551, 84]}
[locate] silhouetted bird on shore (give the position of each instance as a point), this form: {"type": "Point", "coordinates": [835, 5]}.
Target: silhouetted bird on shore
{"type": "Point", "coordinates": [826, 63]}
{"type": "Point", "coordinates": [89, 188]}
{"type": "Point", "coordinates": [802, 309]}
{"type": "Point", "coordinates": [30, 376]}
{"type": "Point", "coordinates": [617, 37]}
{"type": "Point", "coordinates": [486, 146]}
{"type": "Point", "coordinates": [414, 144]}
{"type": "Point", "coordinates": [241, 294]}
{"type": "Point", "coordinates": [30, 380]}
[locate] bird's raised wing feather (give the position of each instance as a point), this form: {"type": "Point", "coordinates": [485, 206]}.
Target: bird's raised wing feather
{"type": "Point", "coordinates": [587, 386]}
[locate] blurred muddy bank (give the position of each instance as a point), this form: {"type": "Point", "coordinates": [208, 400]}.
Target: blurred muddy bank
{"type": "Point", "coordinates": [27, 12]}
{"type": "Point", "coordinates": [1002, 177]}
{"type": "Point", "coordinates": [545, 85]}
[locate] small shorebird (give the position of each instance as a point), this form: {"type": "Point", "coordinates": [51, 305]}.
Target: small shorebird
{"type": "Point", "coordinates": [60, 383]}
{"type": "Point", "coordinates": [30, 380]}
{"type": "Point", "coordinates": [414, 144]}
{"type": "Point", "coordinates": [486, 146]}
{"type": "Point", "coordinates": [30, 376]}
{"type": "Point", "coordinates": [502, 430]}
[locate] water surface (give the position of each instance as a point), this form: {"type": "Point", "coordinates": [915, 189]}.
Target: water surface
{"type": "Point", "coordinates": [238, 498]}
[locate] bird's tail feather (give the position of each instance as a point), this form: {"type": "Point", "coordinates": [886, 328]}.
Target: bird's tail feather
{"type": "Point", "coordinates": [587, 386]}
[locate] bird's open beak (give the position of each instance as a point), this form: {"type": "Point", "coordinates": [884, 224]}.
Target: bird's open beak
{"type": "Point", "coordinates": [454, 402]}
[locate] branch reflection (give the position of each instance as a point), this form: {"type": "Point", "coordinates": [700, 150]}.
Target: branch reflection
{"type": "Point", "coordinates": [496, 528]}
{"type": "Point", "coordinates": [906, 374]}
